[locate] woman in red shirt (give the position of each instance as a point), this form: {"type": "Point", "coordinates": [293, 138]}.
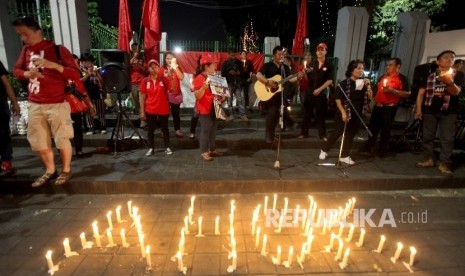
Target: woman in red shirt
{"type": "Point", "coordinates": [174, 73]}
{"type": "Point", "coordinates": [204, 105]}
{"type": "Point", "coordinates": [154, 106]}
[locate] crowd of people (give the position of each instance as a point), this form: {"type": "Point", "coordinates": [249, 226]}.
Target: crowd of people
{"type": "Point", "coordinates": [156, 93]}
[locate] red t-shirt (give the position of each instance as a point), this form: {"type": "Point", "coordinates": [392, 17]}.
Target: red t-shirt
{"type": "Point", "coordinates": [204, 104]}
{"type": "Point", "coordinates": [50, 88]}
{"type": "Point", "coordinates": [156, 101]}
{"type": "Point", "coordinates": [388, 98]}
{"type": "Point", "coordinates": [137, 71]}
{"type": "Point", "coordinates": [303, 83]}
{"type": "Point", "coordinates": [175, 86]}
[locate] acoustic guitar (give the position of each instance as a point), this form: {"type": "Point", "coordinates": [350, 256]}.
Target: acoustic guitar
{"type": "Point", "coordinates": [264, 93]}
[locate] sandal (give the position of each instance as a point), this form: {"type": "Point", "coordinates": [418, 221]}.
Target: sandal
{"type": "Point", "coordinates": [44, 179]}
{"type": "Point", "coordinates": [63, 178]}
{"type": "Point", "coordinates": [206, 156]}
{"type": "Point", "coordinates": [215, 153]}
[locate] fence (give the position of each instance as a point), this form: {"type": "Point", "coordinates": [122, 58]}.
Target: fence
{"type": "Point", "coordinates": [42, 14]}
{"type": "Point", "coordinates": [203, 46]}
{"type": "Point", "coordinates": [103, 36]}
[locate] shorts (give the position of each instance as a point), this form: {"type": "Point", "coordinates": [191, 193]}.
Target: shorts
{"type": "Point", "coordinates": [47, 121]}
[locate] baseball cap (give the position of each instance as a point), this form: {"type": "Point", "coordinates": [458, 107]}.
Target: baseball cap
{"type": "Point", "coordinates": [322, 45]}
{"type": "Point", "coordinates": [153, 61]}
{"type": "Point", "coordinates": [206, 58]}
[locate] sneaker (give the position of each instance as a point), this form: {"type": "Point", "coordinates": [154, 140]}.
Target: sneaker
{"type": "Point", "coordinates": [347, 160]}
{"type": "Point", "coordinates": [324, 138]}
{"type": "Point", "coordinates": [149, 152]}
{"type": "Point", "coordinates": [445, 169]}
{"type": "Point", "coordinates": [244, 118]}
{"type": "Point", "coordinates": [179, 133]}
{"type": "Point", "coordinates": [89, 133]}
{"type": "Point", "coordinates": [192, 136]}
{"type": "Point", "coordinates": [230, 118]}
{"type": "Point", "coordinates": [7, 168]}
{"type": "Point", "coordinates": [103, 132]}
{"type": "Point", "coordinates": [168, 151]}
{"type": "Point", "coordinates": [428, 163]}
{"type": "Point", "coordinates": [323, 155]}
{"type": "Point", "coordinates": [143, 124]}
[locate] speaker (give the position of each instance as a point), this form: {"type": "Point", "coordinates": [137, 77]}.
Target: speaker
{"type": "Point", "coordinates": [115, 71]}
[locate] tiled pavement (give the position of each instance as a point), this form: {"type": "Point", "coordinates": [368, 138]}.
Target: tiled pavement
{"type": "Point", "coordinates": [430, 220]}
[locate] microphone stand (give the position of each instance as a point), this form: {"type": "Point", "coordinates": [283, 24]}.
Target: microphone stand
{"type": "Point", "coordinates": [355, 110]}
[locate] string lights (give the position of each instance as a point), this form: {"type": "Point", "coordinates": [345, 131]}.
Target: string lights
{"type": "Point", "coordinates": [324, 14]}
{"type": "Point", "coordinates": [249, 38]}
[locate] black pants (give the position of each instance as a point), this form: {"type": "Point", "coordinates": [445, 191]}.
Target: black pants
{"type": "Point", "coordinates": [175, 112]}
{"type": "Point", "coordinates": [351, 129]}
{"type": "Point", "coordinates": [380, 121]}
{"type": "Point", "coordinates": [153, 122]}
{"type": "Point", "coordinates": [319, 105]}
{"type": "Point", "coordinates": [6, 149]}
{"type": "Point", "coordinates": [272, 115]}
{"type": "Point", "coordinates": [77, 127]}
{"type": "Point", "coordinates": [99, 105]}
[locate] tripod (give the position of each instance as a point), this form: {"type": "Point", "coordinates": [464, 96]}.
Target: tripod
{"type": "Point", "coordinates": [117, 135]}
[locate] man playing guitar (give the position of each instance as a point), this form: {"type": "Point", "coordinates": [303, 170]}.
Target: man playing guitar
{"type": "Point", "coordinates": [269, 70]}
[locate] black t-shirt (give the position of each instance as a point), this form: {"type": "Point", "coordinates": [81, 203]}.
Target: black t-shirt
{"type": "Point", "coordinates": [318, 76]}
{"type": "Point", "coordinates": [270, 70]}
{"type": "Point", "coordinates": [3, 72]}
{"type": "Point", "coordinates": [233, 64]}
{"type": "Point", "coordinates": [439, 92]}
{"type": "Point", "coordinates": [357, 97]}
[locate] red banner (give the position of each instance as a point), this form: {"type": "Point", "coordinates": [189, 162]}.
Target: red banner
{"type": "Point", "coordinates": [124, 27]}
{"type": "Point", "coordinates": [152, 32]}
{"type": "Point", "coordinates": [301, 30]}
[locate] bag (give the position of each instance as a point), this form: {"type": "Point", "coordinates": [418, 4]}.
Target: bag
{"type": "Point", "coordinates": [76, 104]}
{"type": "Point", "coordinates": [219, 111]}
{"type": "Point", "coordinates": [175, 98]}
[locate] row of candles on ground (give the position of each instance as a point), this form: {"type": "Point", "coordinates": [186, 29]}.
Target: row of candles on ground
{"type": "Point", "coordinates": [136, 219]}
{"type": "Point", "coordinates": [335, 217]}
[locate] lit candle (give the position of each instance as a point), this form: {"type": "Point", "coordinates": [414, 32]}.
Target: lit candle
{"type": "Point", "coordinates": [96, 234]}
{"type": "Point", "coordinates": [234, 260]}
{"type": "Point", "coordinates": [186, 224]}
{"type": "Point", "coordinates": [123, 239]}
{"type": "Point", "coordinates": [277, 260]}
{"type": "Point", "coordinates": [180, 263]}
{"type": "Point", "coordinates": [351, 233]}
{"type": "Point", "coordinates": [314, 213]}
{"type": "Point", "coordinates": [280, 224]}
{"type": "Point", "coordinates": [257, 238]}
{"type": "Point", "coordinates": [318, 220]}
{"type": "Point", "coordinates": [381, 244]}
{"type": "Point", "coordinates": [265, 205]}
{"type": "Point", "coordinates": [331, 242]}
{"type": "Point", "coordinates": [303, 252]}
{"type": "Point", "coordinates": [192, 203]}
{"type": "Point", "coordinates": [398, 251]}
{"type": "Point", "coordinates": [305, 64]}
{"type": "Point", "coordinates": [139, 231]}
{"type": "Point", "coordinates": [233, 206]}
{"type": "Point", "coordinates": [286, 202]}
{"type": "Point", "coordinates": [275, 198]}
{"type": "Point", "coordinates": [330, 220]}
{"type": "Point", "coordinates": [110, 238]}
{"type": "Point", "coordinates": [181, 245]}
{"type": "Point", "coordinates": [110, 223]}
{"type": "Point", "coordinates": [51, 267]}
{"type": "Point", "coordinates": [118, 214]}
{"type": "Point", "coordinates": [231, 220]}
{"type": "Point", "coordinates": [345, 260]}
{"type": "Point", "coordinates": [290, 256]}
{"type": "Point", "coordinates": [353, 205]}
{"type": "Point", "coordinates": [362, 237]}
{"type": "Point", "coordinates": [130, 208]}
{"type": "Point", "coordinates": [217, 225]}
{"type": "Point", "coordinates": [67, 248]}
{"type": "Point", "coordinates": [142, 246]}
{"type": "Point", "coordinates": [149, 259]}
{"type": "Point", "coordinates": [199, 234]}
{"type": "Point", "coordinates": [305, 222]}
{"type": "Point", "coordinates": [137, 222]}
{"type": "Point", "coordinates": [233, 244]}
{"type": "Point", "coordinates": [135, 211]}
{"type": "Point", "coordinates": [83, 240]}
{"type": "Point", "coordinates": [385, 82]}
{"type": "Point", "coordinates": [190, 214]}
{"type": "Point", "coordinates": [309, 244]}
{"type": "Point", "coordinates": [254, 222]}
{"type": "Point", "coordinates": [263, 252]}
{"type": "Point", "coordinates": [296, 215]}
{"type": "Point", "coordinates": [339, 249]}
{"type": "Point", "coordinates": [413, 252]}
{"type": "Point", "coordinates": [340, 213]}
{"type": "Point", "coordinates": [341, 229]}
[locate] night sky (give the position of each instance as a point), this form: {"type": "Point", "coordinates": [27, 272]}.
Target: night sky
{"type": "Point", "coordinates": [184, 22]}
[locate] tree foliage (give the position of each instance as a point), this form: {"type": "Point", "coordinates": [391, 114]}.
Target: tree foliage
{"type": "Point", "coordinates": [384, 17]}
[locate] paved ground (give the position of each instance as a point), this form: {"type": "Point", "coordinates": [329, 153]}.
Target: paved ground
{"type": "Point", "coordinates": [430, 220]}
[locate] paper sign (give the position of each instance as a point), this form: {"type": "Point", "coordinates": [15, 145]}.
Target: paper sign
{"type": "Point", "coordinates": [359, 84]}
{"type": "Point", "coordinates": [218, 85]}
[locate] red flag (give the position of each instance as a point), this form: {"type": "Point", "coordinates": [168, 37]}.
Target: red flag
{"type": "Point", "coordinates": [152, 33]}
{"type": "Point", "coordinates": [301, 30]}
{"type": "Point", "coordinates": [124, 27]}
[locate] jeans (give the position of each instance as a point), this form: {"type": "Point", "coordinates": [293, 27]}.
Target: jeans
{"type": "Point", "coordinates": [446, 124]}
{"type": "Point", "coordinates": [235, 88]}
{"type": "Point", "coordinates": [208, 125]}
